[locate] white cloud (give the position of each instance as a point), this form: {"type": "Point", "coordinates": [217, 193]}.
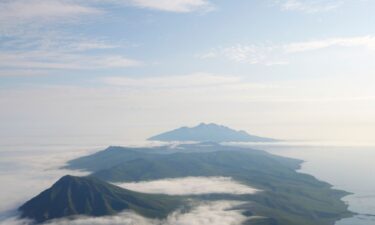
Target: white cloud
{"type": "Point", "coordinates": [27, 171]}
{"type": "Point", "coordinates": [32, 40]}
{"type": "Point", "coordinates": [62, 60]}
{"type": "Point", "coordinates": [202, 213]}
{"type": "Point", "coordinates": [15, 221]}
{"type": "Point", "coordinates": [22, 72]}
{"type": "Point", "coordinates": [57, 41]}
{"type": "Point", "coordinates": [20, 16]}
{"type": "Point", "coordinates": [278, 54]}
{"type": "Point", "coordinates": [33, 9]}
{"type": "Point", "coordinates": [309, 6]}
{"type": "Point", "coordinates": [249, 54]}
{"type": "Point", "coordinates": [367, 42]}
{"type": "Point", "coordinates": [37, 12]}
{"type": "Point", "coordinates": [190, 186]}
{"type": "Point", "coordinates": [217, 213]}
{"type": "Point", "coordinates": [207, 55]}
{"type": "Point", "coordinates": [180, 6]}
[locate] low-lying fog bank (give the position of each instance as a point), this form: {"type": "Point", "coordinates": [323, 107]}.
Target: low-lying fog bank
{"type": "Point", "coordinates": [190, 186]}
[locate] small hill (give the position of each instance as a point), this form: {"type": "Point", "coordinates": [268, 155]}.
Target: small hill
{"type": "Point", "coordinates": [209, 132]}
{"type": "Point", "coordinates": [89, 196]}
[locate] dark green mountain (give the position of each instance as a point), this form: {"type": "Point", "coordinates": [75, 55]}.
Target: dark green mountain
{"type": "Point", "coordinates": [113, 155]}
{"type": "Point", "coordinates": [89, 196]}
{"type": "Point", "coordinates": [234, 163]}
{"type": "Point", "coordinates": [209, 132]}
{"type": "Point", "coordinates": [288, 197]}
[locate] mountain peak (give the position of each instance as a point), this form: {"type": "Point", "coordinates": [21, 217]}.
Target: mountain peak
{"type": "Point", "coordinates": [209, 132]}
{"type": "Point", "coordinates": [67, 178]}
{"type": "Point", "coordinates": [71, 196]}
{"type": "Point", "coordinates": [212, 125]}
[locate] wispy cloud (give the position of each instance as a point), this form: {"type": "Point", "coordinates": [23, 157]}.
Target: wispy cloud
{"type": "Point", "coordinates": [33, 40]}
{"type": "Point", "coordinates": [36, 9]}
{"type": "Point", "coordinates": [278, 54]}
{"type": "Point", "coordinates": [15, 15]}
{"type": "Point", "coordinates": [55, 40]}
{"type": "Point", "coordinates": [251, 54]}
{"type": "Point", "coordinates": [367, 42]}
{"type": "Point", "coordinates": [179, 6]}
{"type": "Point", "coordinates": [61, 60]}
{"type": "Point", "coordinates": [309, 6]}
{"type": "Point", "coordinates": [22, 72]}
{"type": "Point", "coordinates": [29, 54]}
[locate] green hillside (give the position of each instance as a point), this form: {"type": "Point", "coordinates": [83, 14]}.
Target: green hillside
{"type": "Point", "coordinates": [89, 196]}
{"type": "Point", "coordinates": [288, 197]}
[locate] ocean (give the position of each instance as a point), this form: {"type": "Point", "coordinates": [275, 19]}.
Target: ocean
{"type": "Point", "coordinates": [349, 168]}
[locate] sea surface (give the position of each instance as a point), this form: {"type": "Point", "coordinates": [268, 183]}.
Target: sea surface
{"type": "Point", "coordinates": [349, 168]}
{"type": "Point", "coordinates": [29, 168]}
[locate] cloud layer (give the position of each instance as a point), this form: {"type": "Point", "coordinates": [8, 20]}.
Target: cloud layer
{"type": "Point", "coordinates": [27, 172]}
{"type": "Point", "coordinates": [203, 213]}
{"type": "Point", "coordinates": [279, 54]}
{"type": "Point", "coordinates": [190, 186]}
{"type": "Point", "coordinates": [18, 12]}
{"type": "Point", "coordinates": [36, 41]}
{"type": "Point", "coordinates": [309, 6]}
{"type": "Point", "coordinates": [179, 6]}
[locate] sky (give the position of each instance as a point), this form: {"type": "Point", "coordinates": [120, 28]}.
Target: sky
{"type": "Point", "coordinates": [107, 70]}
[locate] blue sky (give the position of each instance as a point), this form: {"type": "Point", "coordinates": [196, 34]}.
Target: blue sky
{"type": "Point", "coordinates": [291, 69]}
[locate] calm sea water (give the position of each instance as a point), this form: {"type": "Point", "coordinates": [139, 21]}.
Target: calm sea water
{"type": "Point", "coordinates": [347, 168]}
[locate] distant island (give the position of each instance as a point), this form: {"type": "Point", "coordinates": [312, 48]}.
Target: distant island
{"type": "Point", "coordinates": [286, 197]}
{"type": "Point", "coordinates": [210, 132]}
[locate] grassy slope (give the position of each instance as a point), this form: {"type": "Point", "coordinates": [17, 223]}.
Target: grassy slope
{"type": "Point", "coordinates": [89, 196]}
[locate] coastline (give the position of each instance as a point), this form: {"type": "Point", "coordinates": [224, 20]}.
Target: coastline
{"type": "Point", "coordinates": [287, 194]}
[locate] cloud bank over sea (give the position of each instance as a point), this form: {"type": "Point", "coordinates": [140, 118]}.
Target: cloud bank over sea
{"type": "Point", "coordinates": [27, 173]}
{"type": "Point", "coordinates": [190, 186]}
